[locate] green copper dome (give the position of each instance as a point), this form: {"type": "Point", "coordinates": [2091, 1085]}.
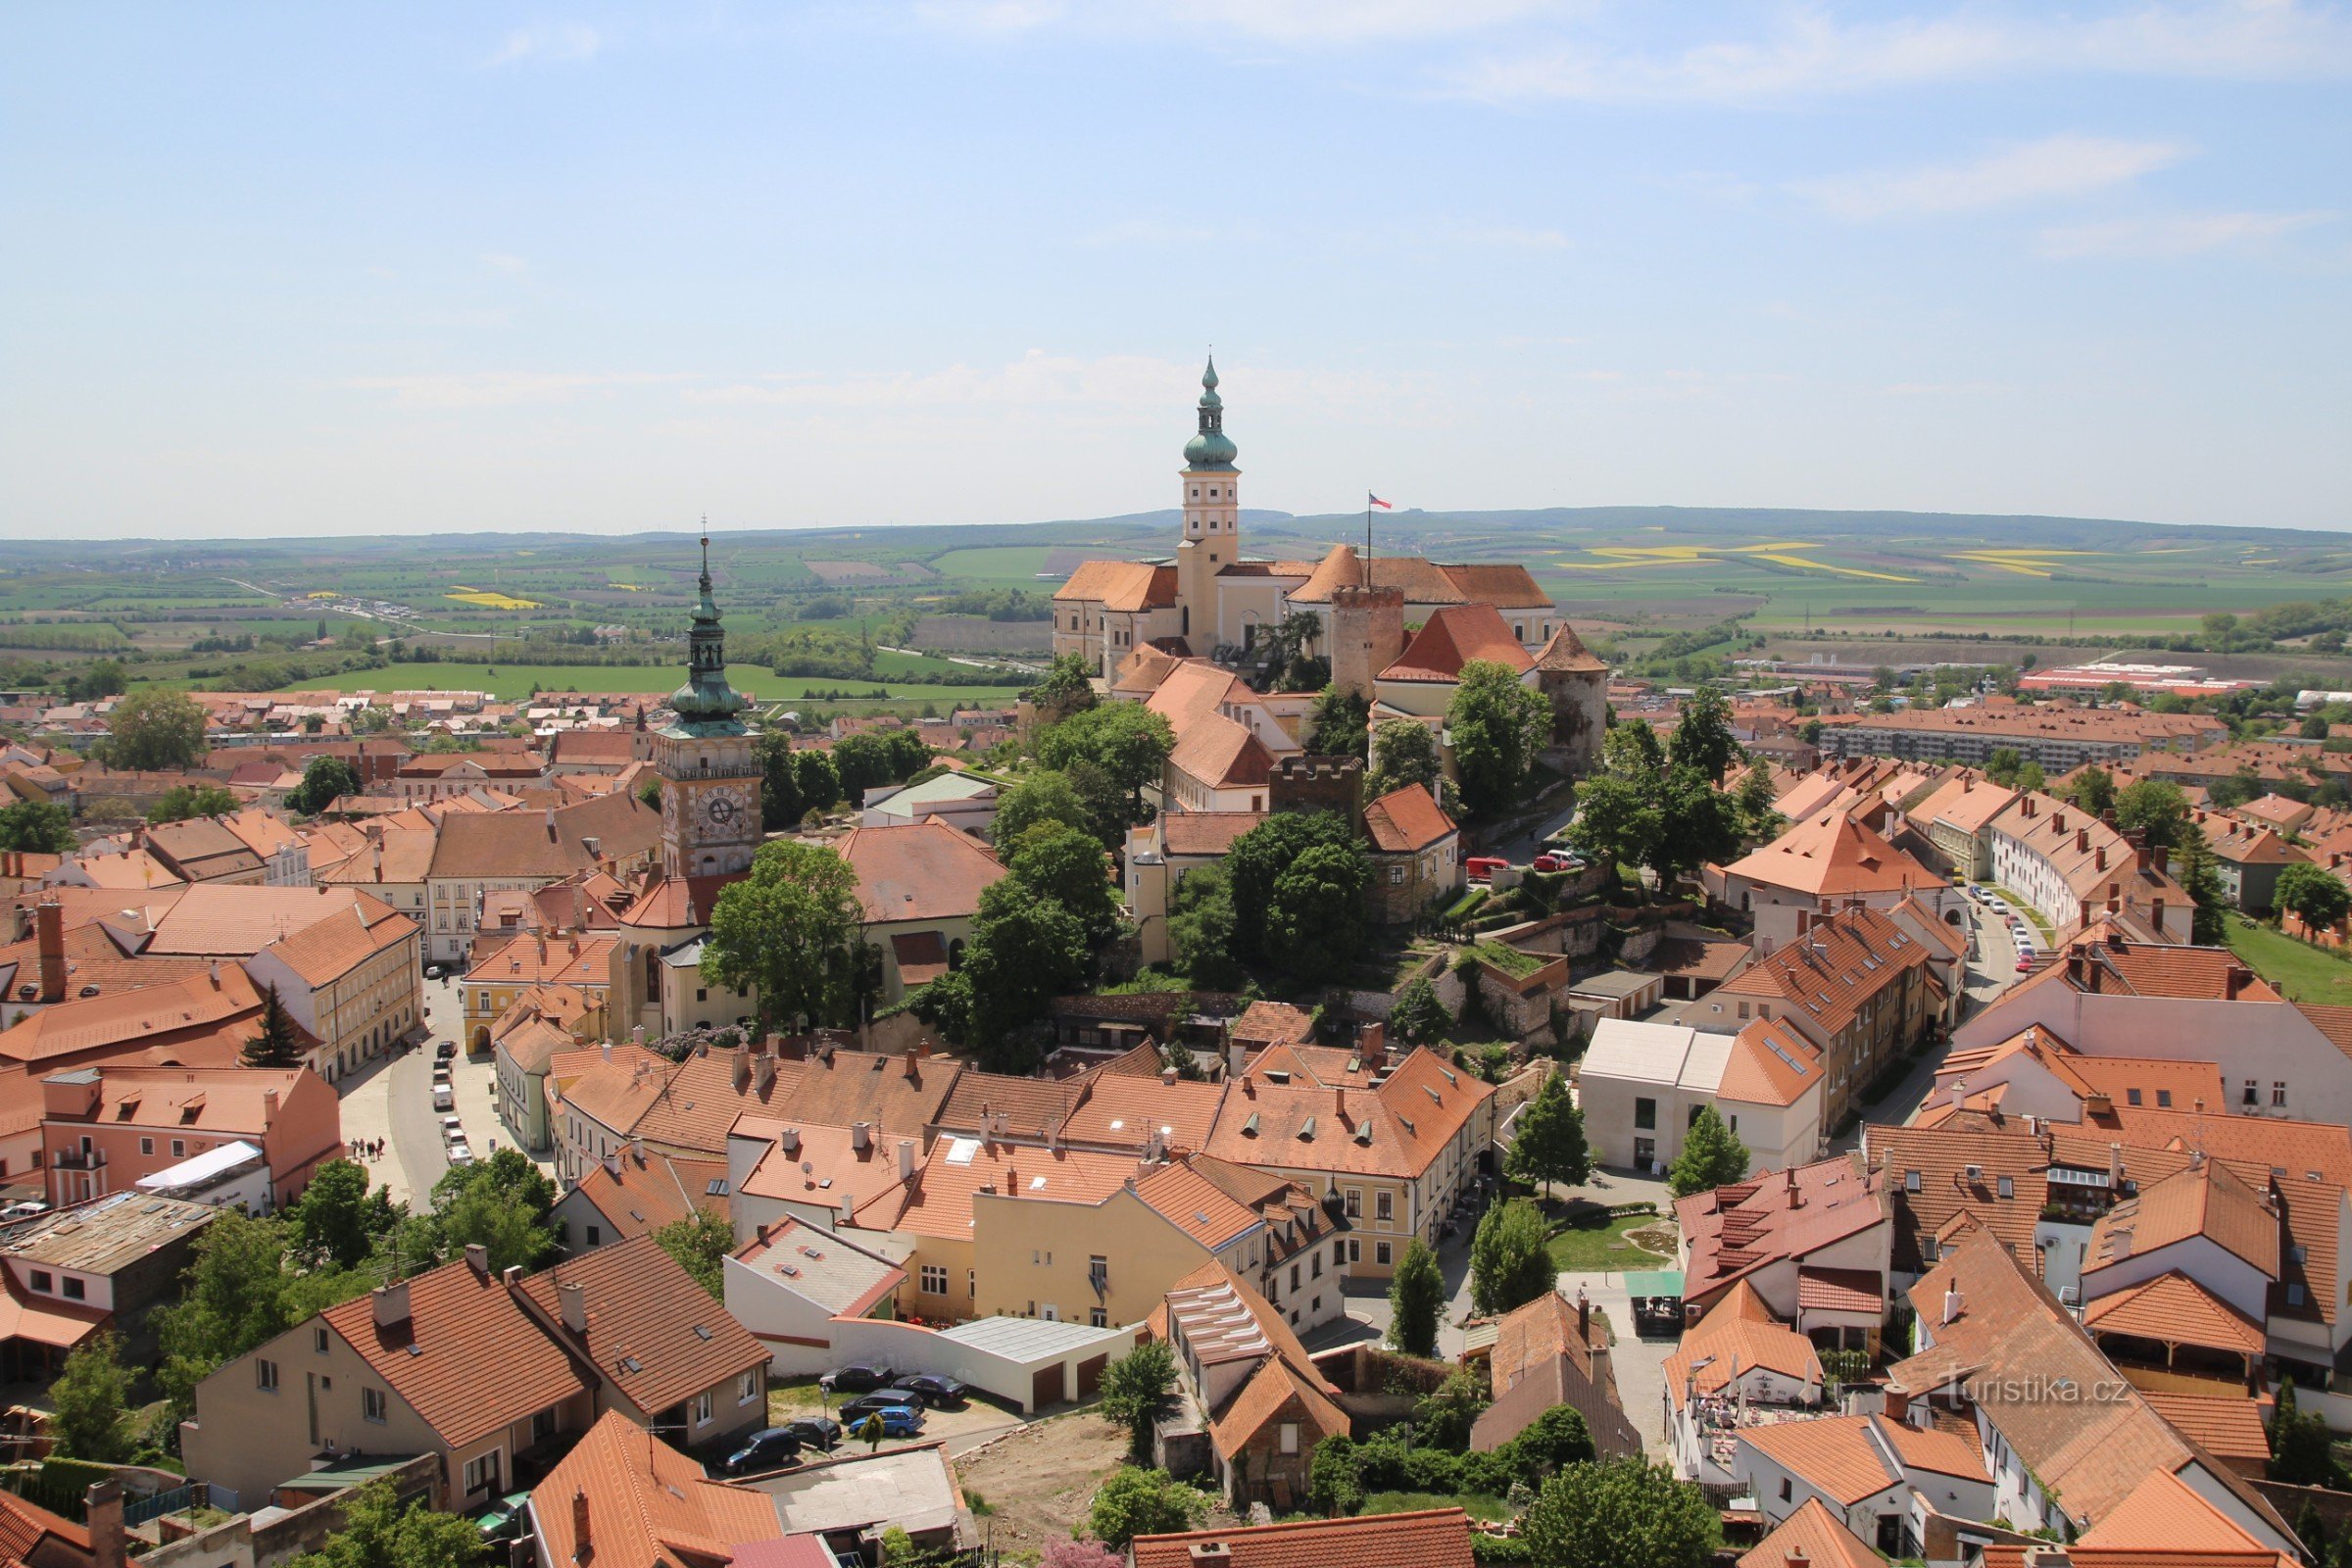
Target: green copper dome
{"type": "Point", "coordinates": [1210, 449]}
{"type": "Point", "coordinates": [706, 703]}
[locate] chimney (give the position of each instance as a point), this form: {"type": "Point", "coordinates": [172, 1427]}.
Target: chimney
{"type": "Point", "coordinates": [2144, 856]}
{"type": "Point", "coordinates": [1167, 1075]}
{"type": "Point", "coordinates": [743, 1071]}
{"type": "Point", "coordinates": [1898, 1402]}
{"type": "Point", "coordinates": [789, 1141]}
{"type": "Point", "coordinates": [637, 1149]}
{"type": "Point", "coordinates": [905, 1160]}
{"type": "Point", "coordinates": [2156, 912]}
{"type": "Point", "coordinates": [109, 1547]}
{"type": "Point", "coordinates": [1789, 1184]}
{"type": "Point", "coordinates": [2159, 854]}
{"type": "Point", "coordinates": [583, 1548]}
{"type": "Point", "coordinates": [607, 1049]}
{"type": "Point", "coordinates": [1584, 1318]}
{"type": "Point", "coordinates": [2082, 840]}
{"type": "Point", "coordinates": [1951, 1302]}
{"type": "Point", "coordinates": [849, 1210]}
{"type": "Point", "coordinates": [914, 1074]}
{"type": "Point", "coordinates": [1373, 1040]}
{"type": "Point", "coordinates": [49, 926]}
{"type": "Point", "coordinates": [269, 1106]}
{"type": "Point", "coordinates": [2115, 1164]}
{"type": "Point", "coordinates": [391, 1304]}
{"type": "Point", "coordinates": [477, 1258]}
{"type": "Point", "coordinates": [862, 1136]}
{"type": "Point", "coordinates": [2058, 821]}
{"type": "Point", "coordinates": [1236, 1058]}
{"type": "Point", "coordinates": [1210, 1554]}
{"type": "Point", "coordinates": [510, 1276]}
{"type": "Point", "coordinates": [2234, 980]}
{"type": "Point", "coordinates": [763, 1072]}
{"type": "Point", "coordinates": [1796, 1558]}
{"type": "Point", "coordinates": [2098, 858]}
{"type": "Point", "coordinates": [571, 1297]}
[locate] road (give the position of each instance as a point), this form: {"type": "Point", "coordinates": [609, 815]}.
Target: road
{"type": "Point", "coordinates": [394, 1101]}
{"type": "Point", "coordinates": [1991, 970]}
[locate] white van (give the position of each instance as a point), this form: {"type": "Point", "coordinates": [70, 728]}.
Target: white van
{"type": "Point", "coordinates": [444, 1097]}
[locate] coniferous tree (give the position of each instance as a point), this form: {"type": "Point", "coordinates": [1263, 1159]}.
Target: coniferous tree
{"type": "Point", "coordinates": [1550, 1144]}
{"type": "Point", "coordinates": [279, 1042]}
{"type": "Point", "coordinates": [1416, 1300]}
{"type": "Point", "coordinates": [1712, 1155]}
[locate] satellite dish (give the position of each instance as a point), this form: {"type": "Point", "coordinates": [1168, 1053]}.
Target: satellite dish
{"type": "Point", "coordinates": [806, 1167]}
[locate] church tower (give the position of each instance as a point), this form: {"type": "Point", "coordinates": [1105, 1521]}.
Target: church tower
{"type": "Point", "coordinates": [1212, 516]}
{"type": "Point", "coordinates": [709, 773]}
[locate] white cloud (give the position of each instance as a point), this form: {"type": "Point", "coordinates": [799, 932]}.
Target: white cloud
{"type": "Point", "coordinates": [1808, 53]}
{"type": "Point", "coordinates": [1290, 22]}
{"type": "Point", "coordinates": [2175, 235]}
{"type": "Point", "coordinates": [499, 388]}
{"type": "Point", "coordinates": [563, 41]}
{"type": "Point", "coordinates": [2037, 171]}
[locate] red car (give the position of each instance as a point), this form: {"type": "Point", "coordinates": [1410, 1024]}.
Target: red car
{"type": "Point", "coordinates": [1481, 867]}
{"type": "Point", "coordinates": [1554, 863]}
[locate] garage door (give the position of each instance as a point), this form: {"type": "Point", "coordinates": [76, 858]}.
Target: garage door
{"type": "Point", "coordinates": [1045, 1387]}
{"type": "Point", "coordinates": [1090, 1375]}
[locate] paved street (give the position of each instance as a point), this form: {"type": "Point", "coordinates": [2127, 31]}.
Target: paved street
{"type": "Point", "coordinates": [394, 1101]}
{"type": "Point", "coordinates": [1991, 970]}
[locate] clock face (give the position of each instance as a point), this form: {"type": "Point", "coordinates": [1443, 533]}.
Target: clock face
{"type": "Point", "coordinates": [720, 811]}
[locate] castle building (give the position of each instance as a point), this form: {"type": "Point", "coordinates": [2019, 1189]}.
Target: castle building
{"type": "Point", "coordinates": [1211, 596]}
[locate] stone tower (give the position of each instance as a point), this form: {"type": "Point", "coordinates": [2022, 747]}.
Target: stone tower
{"type": "Point", "coordinates": [709, 773]}
{"type": "Point", "coordinates": [1212, 517]}
{"type": "Point", "coordinates": [1367, 633]}
{"type": "Point", "coordinates": [1577, 684]}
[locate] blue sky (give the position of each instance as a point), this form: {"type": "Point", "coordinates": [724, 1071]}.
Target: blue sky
{"type": "Point", "coordinates": [352, 269]}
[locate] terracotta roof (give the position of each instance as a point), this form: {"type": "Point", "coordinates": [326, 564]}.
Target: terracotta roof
{"type": "Point", "coordinates": [1272, 1023]}
{"type": "Point", "coordinates": [1770, 1064]}
{"type": "Point", "coordinates": [1942, 1159]}
{"type": "Point", "coordinates": [925, 870]}
{"type": "Point", "coordinates": [1739, 1334]}
{"type": "Point", "coordinates": [1195, 1205]}
{"type": "Point", "coordinates": [2175, 1309]}
{"type": "Point", "coordinates": [639, 1194]}
{"type": "Point", "coordinates": [1121, 1110]}
{"type": "Point", "coordinates": [2209, 1201]}
{"type": "Point", "coordinates": [1121, 585]}
{"type": "Point", "coordinates": [1851, 1457]}
{"type": "Point", "coordinates": [2165, 1514]}
{"type": "Point", "coordinates": [1832, 856]}
{"type": "Point", "coordinates": [1340, 568]}
{"type": "Point", "coordinates": [1206, 832]}
{"type": "Point", "coordinates": [552, 844]}
{"type": "Point", "coordinates": [649, 1505]}
{"type": "Point", "coordinates": [535, 958]}
{"type": "Point", "coordinates": [1142, 670]}
{"type": "Point", "coordinates": [400, 855]}
{"type": "Point", "coordinates": [1840, 1290]}
{"type": "Point", "coordinates": [839, 1171]}
{"type": "Point", "coordinates": [228, 920]}
{"type": "Point", "coordinates": [1966, 802]}
{"type": "Point", "coordinates": [467, 1358]}
{"type": "Point", "coordinates": [2251, 844]}
{"type": "Point", "coordinates": [677, 902]}
{"type": "Point", "coordinates": [653, 1332]}
{"type": "Point", "coordinates": [1826, 976]}
{"type": "Point", "coordinates": [1452, 637]}
{"type": "Point", "coordinates": [2226, 1428]}
{"type": "Point", "coordinates": [1406, 819]}
{"type": "Point", "coordinates": [1566, 651]}
{"type": "Point", "coordinates": [938, 1203]}
{"type": "Point", "coordinates": [201, 847]}
{"type": "Point", "coordinates": [24, 1525]}
{"type": "Point", "coordinates": [1733, 1231]}
{"type": "Point", "coordinates": [1217, 750]}
{"type": "Point", "coordinates": [1029, 1105]}
{"type": "Point", "coordinates": [1813, 1535]}
{"type": "Point", "coordinates": [1396, 1129]}
{"type": "Point", "coordinates": [1436, 1538]}
{"type": "Point", "coordinates": [222, 995]}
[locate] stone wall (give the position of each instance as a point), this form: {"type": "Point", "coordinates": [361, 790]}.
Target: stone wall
{"type": "Point", "coordinates": [237, 1543]}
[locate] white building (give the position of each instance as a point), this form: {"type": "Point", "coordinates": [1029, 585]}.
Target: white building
{"type": "Point", "coordinates": [1641, 1085]}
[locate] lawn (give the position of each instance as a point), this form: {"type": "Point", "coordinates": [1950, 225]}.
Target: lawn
{"type": "Point", "coordinates": [2305, 973]}
{"type": "Point", "coordinates": [2032, 917]}
{"type": "Point", "coordinates": [1588, 1241]}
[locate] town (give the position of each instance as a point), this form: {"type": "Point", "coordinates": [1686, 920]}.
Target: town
{"type": "Point", "coordinates": [1330, 1069]}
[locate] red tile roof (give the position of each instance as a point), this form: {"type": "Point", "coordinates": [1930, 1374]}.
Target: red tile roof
{"type": "Point", "coordinates": [1121, 585]}
{"type": "Point", "coordinates": [649, 1505]}
{"type": "Point", "coordinates": [1436, 1537]}
{"type": "Point", "coordinates": [1452, 637]}
{"type": "Point", "coordinates": [925, 870]}
{"type": "Point", "coordinates": [1813, 1535]}
{"type": "Point", "coordinates": [1406, 819]}
{"type": "Point", "coordinates": [653, 1332]}
{"type": "Point", "coordinates": [2175, 1309]}
{"type": "Point", "coordinates": [1829, 855]}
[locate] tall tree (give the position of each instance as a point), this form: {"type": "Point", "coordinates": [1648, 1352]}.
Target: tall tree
{"type": "Point", "coordinates": [278, 1041]}
{"type": "Point", "coordinates": [1551, 1441]}
{"type": "Point", "coordinates": [1404, 750]}
{"type": "Point", "coordinates": [1712, 1155]}
{"type": "Point", "coordinates": [2093, 790]}
{"type": "Point", "coordinates": [501, 1205]}
{"type": "Point", "coordinates": [1416, 1300]}
{"type": "Point", "coordinates": [1127, 741]}
{"type": "Point", "coordinates": [156, 732]}
{"type": "Point", "coordinates": [1605, 1515]}
{"type": "Point", "coordinates": [818, 781]}
{"type": "Point", "coordinates": [1549, 1144]}
{"type": "Point", "coordinates": [324, 781]}
{"type": "Point", "coordinates": [700, 1242]}
{"type": "Point", "coordinates": [36, 827]}
{"type": "Point", "coordinates": [780, 805]}
{"type": "Point", "coordinates": [2156, 809]}
{"type": "Point", "coordinates": [1025, 951]}
{"type": "Point", "coordinates": [183, 802]}
{"type": "Point", "coordinates": [1510, 1257]}
{"type": "Point", "coordinates": [1419, 1016]}
{"type": "Point", "coordinates": [1041, 795]}
{"type": "Point", "coordinates": [2193, 867]}
{"type": "Point", "coordinates": [1498, 727]}
{"type": "Point", "coordinates": [1068, 688]}
{"type": "Point", "coordinates": [1759, 822]}
{"type": "Point", "coordinates": [784, 931]}
{"type": "Point", "coordinates": [2316, 894]}
{"type": "Point", "coordinates": [1703, 735]}
{"type": "Point", "coordinates": [1260, 856]}
{"type": "Point", "coordinates": [1337, 724]}
{"type": "Point", "coordinates": [91, 1403]}
{"type": "Point", "coordinates": [380, 1531]}
{"type": "Point", "coordinates": [1060, 862]}
{"type": "Point", "coordinates": [1133, 1502]}
{"type": "Point", "coordinates": [336, 1220]}
{"type": "Point", "coordinates": [1315, 913]}
{"type": "Point", "coordinates": [862, 762]}
{"type": "Point", "coordinates": [1135, 1389]}
{"type": "Point", "coordinates": [1201, 928]}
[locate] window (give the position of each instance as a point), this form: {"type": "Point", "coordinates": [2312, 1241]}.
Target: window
{"type": "Point", "coordinates": [2131, 1097]}
{"type": "Point", "coordinates": [481, 1475]}
{"type": "Point", "coordinates": [1356, 1254]}
{"type": "Point", "coordinates": [1645, 1112]}
{"type": "Point", "coordinates": [596, 1236]}
{"type": "Point", "coordinates": [1356, 1202]}
{"type": "Point", "coordinates": [1384, 1205]}
{"type": "Point", "coordinates": [1096, 1317]}
{"type": "Point", "coordinates": [373, 1404]}
{"type": "Point", "coordinates": [2294, 1295]}
{"type": "Point", "coordinates": [1383, 1251]}
{"type": "Point", "coordinates": [1289, 1437]}
{"type": "Point", "coordinates": [971, 1283]}
{"type": "Point", "coordinates": [2164, 1099]}
{"type": "Point", "coordinates": [264, 1375]}
{"type": "Point", "coordinates": [1910, 1181]}
{"type": "Point", "coordinates": [41, 1280]}
{"type": "Point", "coordinates": [747, 1388]}
{"type": "Point", "coordinates": [319, 1341]}
{"type": "Point", "coordinates": [2277, 1095]}
{"type": "Point", "coordinates": [1294, 1276]}
{"type": "Point", "coordinates": [1784, 1488]}
{"type": "Point", "coordinates": [180, 1148]}
{"type": "Point", "coordinates": [146, 1146]}
{"type": "Point", "coordinates": [2251, 1098]}
{"type": "Point", "coordinates": [935, 1279]}
{"type": "Point", "coordinates": [1339, 1254]}
{"type": "Point", "coordinates": [701, 1408]}
{"type": "Point", "coordinates": [2008, 1186]}
{"type": "Point", "coordinates": [74, 1289]}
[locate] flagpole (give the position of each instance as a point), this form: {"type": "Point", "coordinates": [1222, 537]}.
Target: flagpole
{"type": "Point", "coordinates": [1367, 528]}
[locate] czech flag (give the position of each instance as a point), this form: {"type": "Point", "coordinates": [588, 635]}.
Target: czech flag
{"type": "Point", "coordinates": [1371, 500]}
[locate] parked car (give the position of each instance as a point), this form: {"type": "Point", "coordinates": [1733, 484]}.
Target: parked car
{"type": "Point", "coordinates": [815, 1431]}
{"type": "Point", "coordinates": [899, 1421]}
{"type": "Point", "coordinates": [445, 1050]}
{"type": "Point", "coordinates": [853, 1411]}
{"type": "Point", "coordinates": [453, 1129]}
{"type": "Point", "coordinates": [770, 1449]}
{"type": "Point", "coordinates": [1481, 867]}
{"type": "Point", "coordinates": [1558, 862]}
{"type": "Point", "coordinates": [932, 1389]}
{"type": "Point", "coordinates": [444, 1097]}
{"type": "Point", "coordinates": [432, 971]}
{"type": "Point", "coordinates": [857, 1376]}
{"type": "Point", "coordinates": [26, 1209]}
{"type": "Point", "coordinates": [2024, 964]}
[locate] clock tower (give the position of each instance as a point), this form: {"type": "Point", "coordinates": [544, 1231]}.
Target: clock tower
{"type": "Point", "coordinates": [709, 773]}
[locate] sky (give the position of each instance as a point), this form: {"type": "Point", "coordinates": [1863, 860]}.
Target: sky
{"type": "Point", "coordinates": [352, 269]}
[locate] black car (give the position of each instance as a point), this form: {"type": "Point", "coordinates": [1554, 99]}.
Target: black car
{"type": "Point", "coordinates": [816, 1431]}
{"type": "Point", "coordinates": [855, 1411]}
{"type": "Point", "coordinates": [931, 1389]}
{"type": "Point", "coordinates": [445, 1050]}
{"type": "Point", "coordinates": [855, 1376]}
{"type": "Point", "coordinates": [770, 1449]}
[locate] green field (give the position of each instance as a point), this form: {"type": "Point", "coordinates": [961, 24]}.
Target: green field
{"type": "Point", "coordinates": [2303, 972]}
{"type": "Point", "coordinates": [517, 680]}
{"type": "Point", "coordinates": [996, 562]}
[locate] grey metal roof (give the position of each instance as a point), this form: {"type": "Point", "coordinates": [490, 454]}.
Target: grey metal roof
{"type": "Point", "coordinates": [1027, 1338]}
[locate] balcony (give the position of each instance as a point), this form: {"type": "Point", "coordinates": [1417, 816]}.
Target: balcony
{"type": "Point", "coordinates": [77, 1159]}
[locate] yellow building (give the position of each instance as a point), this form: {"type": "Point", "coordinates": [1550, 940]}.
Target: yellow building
{"type": "Point", "coordinates": [577, 961]}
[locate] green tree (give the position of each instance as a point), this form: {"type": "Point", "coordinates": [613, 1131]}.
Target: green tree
{"type": "Point", "coordinates": [337, 1220]}
{"type": "Point", "coordinates": [1337, 724]}
{"type": "Point", "coordinates": [1416, 1300]}
{"type": "Point", "coordinates": [183, 802]}
{"type": "Point", "coordinates": [2029, 777]}
{"type": "Point", "coordinates": [1758, 821]}
{"type": "Point", "coordinates": [1127, 741]}
{"type": "Point", "coordinates": [700, 1242]}
{"type": "Point", "coordinates": [1404, 750]}
{"type": "Point", "coordinates": [1315, 913]}
{"type": "Point", "coordinates": [2314, 728]}
{"type": "Point", "coordinates": [324, 781]}
{"type": "Point", "coordinates": [36, 827]}
{"type": "Point", "coordinates": [156, 732]}
{"type": "Point", "coordinates": [2301, 1454]}
{"type": "Point", "coordinates": [237, 1292]}
{"type": "Point", "coordinates": [1549, 1443]}
{"type": "Point", "coordinates": [1419, 1016]}
{"type": "Point", "coordinates": [2002, 765]}
{"type": "Point", "coordinates": [1057, 862]}
{"type": "Point", "coordinates": [1549, 1144]}
{"type": "Point", "coordinates": [649, 793]}
{"type": "Point", "coordinates": [1136, 1502]}
{"type": "Point", "coordinates": [1025, 951]}
{"type": "Point", "coordinates": [862, 763]}
{"type": "Point", "coordinates": [1497, 726]}
{"type": "Point", "coordinates": [1624, 1511]}
{"type": "Point", "coordinates": [784, 931]}
{"type": "Point", "coordinates": [1042, 795]}
{"type": "Point", "coordinates": [1444, 1416]}
{"type": "Point", "coordinates": [1068, 688]}
{"type": "Point", "coordinates": [2317, 895]}
{"type": "Point", "coordinates": [1712, 1155]}
{"type": "Point", "coordinates": [379, 1531]}
{"type": "Point", "coordinates": [2194, 868]}
{"type": "Point", "coordinates": [1260, 857]}
{"type": "Point", "coordinates": [780, 806]}
{"type": "Point", "coordinates": [1703, 735]}
{"type": "Point", "coordinates": [501, 1205]}
{"type": "Point", "coordinates": [1334, 1483]}
{"type": "Point", "coordinates": [2093, 790]}
{"type": "Point", "coordinates": [1510, 1257]}
{"type": "Point", "coordinates": [90, 1402]}
{"type": "Point", "coordinates": [1135, 1389]}
{"type": "Point", "coordinates": [1201, 927]}
{"type": "Point", "coordinates": [2157, 810]}
{"type": "Point", "coordinates": [819, 783]}
{"type": "Point", "coordinates": [280, 1042]}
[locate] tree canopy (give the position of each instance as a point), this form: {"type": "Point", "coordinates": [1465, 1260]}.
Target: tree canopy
{"type": "Point", "coordinates": [1703, 735]}
{"type": "Point", "coordinates": [1404, 750]}
{"type": "Point", "coordinates": [1551, 1144]}
{"type": "Point", "coordinates": [784, 932]}
{"type": "Point", "coordinates": [36, 827]}
{"type": "Point", "coordinates": [1419, 1016]}
{"type": "Point", "coordinates": [1041, 795]}
{"type": "Point", "coordinates": [1712, 1155]}
{"type": "Point", "coordinates": [1497, 726]}
{"type": "Point", "coordinates": [1135, 1389]}
{"type": "Point", "coordinates": [156, 731]}
{"type": "Point", "coordinates": [2315, 893]}
{"type": "Point", "coordinates": [91, 1403]}
{"type": "Point", "coordinates": [324, 781]}
{"type": "Point", "coordinates": [700, 1243]}
{"type": "Point", "coordinates": [278, 1042]}
{"type": "Point", "coordinates": [1315, 918]}
{"type": "Point", "coordinates": [1336, 725]}
{"type": "Point", "coordinates": [1642, 810]}
{"type": "Point", "coordinates": [1136, 1502]}
{"type": "Point", "coordinates": [1127, 741]}
{"type": "Point", "coordinates": [1416, 1300]}
{"type": "Point", "coordinates": [1603, 1515]}
{"type": "Point", "coordinates": [1201, 927]}
{"type": "Point", "coordinates": [185, 802]}
{"type": "Point", "coordinates": [1259, 859]}
{"type": "Point", "coordinates": [1510, 1257]}
{"type": "Point", "coordinates": [379, 1531]}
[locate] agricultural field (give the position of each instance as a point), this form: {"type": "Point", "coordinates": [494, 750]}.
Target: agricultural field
{"type": "Point", "coordinates": [520, 680]}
